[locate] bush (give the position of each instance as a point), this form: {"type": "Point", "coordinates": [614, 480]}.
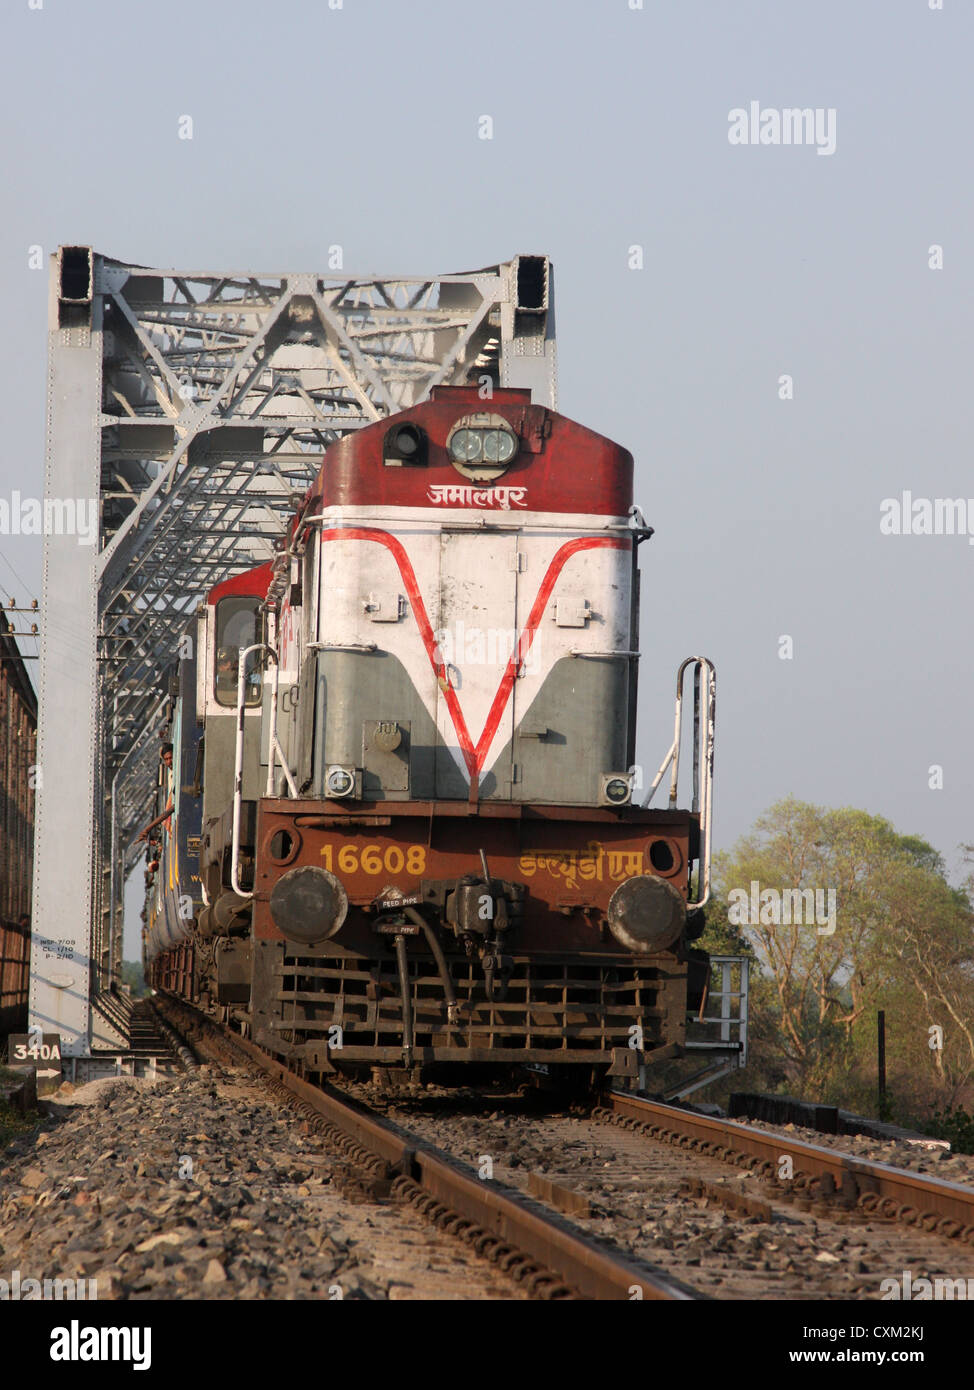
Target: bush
{"type": "Point", "coordinates": [133, 977]}
{"type": "Point", "coordinates": [955, 1125]}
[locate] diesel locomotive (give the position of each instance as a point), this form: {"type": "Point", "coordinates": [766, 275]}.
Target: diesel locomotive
{"type": "Point", "coordinates": [405, 829]}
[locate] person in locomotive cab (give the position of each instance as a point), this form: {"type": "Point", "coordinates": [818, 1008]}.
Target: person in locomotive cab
{"type": "Point", "coordinates": [227, 659]}
{"type": "Point", "coordinates": [226, 670]}
{"type": "Point", "coordinates": [226, 673]}
{"type": "Point", "coordinates": [165, 757]}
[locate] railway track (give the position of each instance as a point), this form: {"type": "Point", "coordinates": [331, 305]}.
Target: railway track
{"type": "Point", "coordinates": [826, 1176]}
{"type": "Point", "coordinates": [532, 1246]}
{"type": "Point", "coordinates": [635, 1199]}
{"type": "Point", "coordinates": [708, 1221]}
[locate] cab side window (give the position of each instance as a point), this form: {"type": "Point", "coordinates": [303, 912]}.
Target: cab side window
{"type": "Point", "coordinates": [239, 624]}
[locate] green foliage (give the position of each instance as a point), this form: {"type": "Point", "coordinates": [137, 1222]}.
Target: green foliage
{"type": "Point", "coordinates": [133, 977]}
{"type": "Point", "coordinates": [720, 937]}
{"type": "Point", "coordinates": [901, 939]}
{"type": "Point", "coordinates": [955, 1125]}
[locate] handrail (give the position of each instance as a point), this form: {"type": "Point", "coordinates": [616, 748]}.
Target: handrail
{"type": "Point", "coordinates": [703, 766]}
{"type": "Point", "coordinates": [275, 753]}
{"type": "Point", "coordinates": [622, 651]}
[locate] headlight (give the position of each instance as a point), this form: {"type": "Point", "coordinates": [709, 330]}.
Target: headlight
{"type": "Point", "coordinates": [646, 914]}
{"type": "Point", "coordinates": [499, 446]}
{"type": "Point", "coordinates": [308, 905]}
{"type": "Point", "coordinates": [484, 444]}
{"type": "Point", "coordinates": [466, 446]}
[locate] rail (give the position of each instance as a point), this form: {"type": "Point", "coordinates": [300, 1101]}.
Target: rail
{"type": "Point", "coordinates": [501, 1224]}
{"type": "Point", "coordinates": [875, 1188]}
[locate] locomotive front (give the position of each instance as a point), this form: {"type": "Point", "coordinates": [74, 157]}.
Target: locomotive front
{"type": "Point", "coordinates": [450, 867]}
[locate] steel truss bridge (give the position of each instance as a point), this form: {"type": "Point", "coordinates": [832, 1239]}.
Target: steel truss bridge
{"type": "Point", "coordinates": [186, 411]}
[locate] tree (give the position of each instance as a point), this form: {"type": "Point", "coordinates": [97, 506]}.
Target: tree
{"type": "Point", "coordinates": [929, 951]}
{"type": "Point", "coordinates": [133, 977]}
{"type": "Point", "coordinates": [844, 916]}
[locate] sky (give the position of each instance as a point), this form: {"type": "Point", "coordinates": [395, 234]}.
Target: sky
{"type": "Point", "coordinates": [359, 126]}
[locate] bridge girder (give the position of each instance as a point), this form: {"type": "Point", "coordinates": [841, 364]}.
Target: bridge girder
{"type": "Point", "coordinates": [189, 409]}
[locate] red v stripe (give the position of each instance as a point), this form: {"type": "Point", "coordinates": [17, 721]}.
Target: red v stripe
{"type": "Point", "coordinates": [520, 653]}
{"type": "Point", "coordinates": [363, 533]}
{"type": "Point", "coordinates": [474, 756]}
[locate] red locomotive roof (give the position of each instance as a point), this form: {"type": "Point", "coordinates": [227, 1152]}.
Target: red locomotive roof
{"type": "Point", "coordinates": [560, 466]}
{"type": "Point", "coordinates": [255, 581]}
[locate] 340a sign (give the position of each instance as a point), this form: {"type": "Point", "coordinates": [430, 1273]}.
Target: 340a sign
{"type": "Point", "coordinates": [34, 1050]}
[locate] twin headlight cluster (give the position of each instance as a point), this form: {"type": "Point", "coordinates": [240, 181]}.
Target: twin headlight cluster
{"type": "Point", "coordinates": [480, 446]}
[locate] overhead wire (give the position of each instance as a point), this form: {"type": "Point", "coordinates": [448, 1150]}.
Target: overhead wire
{"type": "Point", "coordinates": [13, 602]}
